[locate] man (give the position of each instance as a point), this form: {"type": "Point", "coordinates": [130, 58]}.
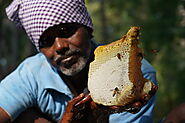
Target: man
{"type": "Point", "coordinates": [62, 31]}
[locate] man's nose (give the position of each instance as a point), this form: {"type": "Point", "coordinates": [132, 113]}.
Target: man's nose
{"type": "Point", "coordinates": [61, 45]}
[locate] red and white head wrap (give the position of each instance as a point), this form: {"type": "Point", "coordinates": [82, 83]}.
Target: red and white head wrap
{"type": "Point", "coordinates": [35, 16]}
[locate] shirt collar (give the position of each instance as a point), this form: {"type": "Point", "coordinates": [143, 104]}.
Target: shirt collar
{"type": "Point", "coordinates": [52, 79]}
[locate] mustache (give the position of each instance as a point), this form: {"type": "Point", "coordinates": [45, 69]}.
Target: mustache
{"type": "Point", "coordinates": [67, 54]}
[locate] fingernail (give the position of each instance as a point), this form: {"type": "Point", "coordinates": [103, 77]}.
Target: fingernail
{"type": "Point", "coordinates": [81, 101]}
{"type": "Point", "coordinates": [82, 94]}
{"type": "Point", "coordinates": [154, 87]}
{"type": "Point", "coordinates": [137, 104]}
{"type": "Point", "coordinates": [77, 104]}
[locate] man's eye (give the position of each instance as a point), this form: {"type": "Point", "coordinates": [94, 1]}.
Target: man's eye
{"type": "Point", "coordinates": [66, 32]}
{"type": "Point", "coordinates": [46, 42]}
{"type": "Point", "coordinates": [63, 29]}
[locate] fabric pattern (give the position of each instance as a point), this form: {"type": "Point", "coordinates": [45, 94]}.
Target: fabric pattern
{"type": "Point", "coordinates": [35, 16]}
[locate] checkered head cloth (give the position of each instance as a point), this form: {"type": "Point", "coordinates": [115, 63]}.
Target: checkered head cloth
{"type": "Point", "coordinates": [35, 16]}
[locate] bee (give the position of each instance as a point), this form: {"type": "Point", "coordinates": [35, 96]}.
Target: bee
{"type": "Point", "coordinates": [119, 56]}
{"type": "Point", "coordinates": [116, 91]}
{"type": "Point", "coordinates": [155, 51]}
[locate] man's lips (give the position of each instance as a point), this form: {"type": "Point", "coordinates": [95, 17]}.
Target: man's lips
{"type": "Point", "coordinates": [66, 61]}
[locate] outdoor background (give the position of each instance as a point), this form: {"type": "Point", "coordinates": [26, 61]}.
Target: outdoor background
{"type": "Point", "coordinates": [162, 25]}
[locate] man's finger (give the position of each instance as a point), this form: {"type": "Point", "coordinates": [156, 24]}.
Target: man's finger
{"type": "Point", "coordinates": [154, 89]}
{"type": "Point", "coordinates": [145, 97]}
{"type": "Point", "coordinates": [84, 100]}
{"type": "Point", "coordinates": [93, 105]}
{"type": "Point", "coordinates": [137, 104]}
{"type": "Point", "coordinates": [76, 99]}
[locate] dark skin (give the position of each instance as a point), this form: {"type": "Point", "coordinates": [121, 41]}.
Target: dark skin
{"type": "Point", "coordinates": [4, 117]}
{"type": "Point", "coordinates": [81, 108]}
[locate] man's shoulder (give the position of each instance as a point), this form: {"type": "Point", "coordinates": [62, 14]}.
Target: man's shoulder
{"type": "Point", "coordinates": [35, 62]}
{"type": "Point", "coordinates": [36, 59]}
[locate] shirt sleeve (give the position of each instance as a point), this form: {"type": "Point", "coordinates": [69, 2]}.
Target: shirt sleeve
{"type": "Point", "coordinates": [146, 112]}
{"type": "Point", "coordinates": [16, 92]}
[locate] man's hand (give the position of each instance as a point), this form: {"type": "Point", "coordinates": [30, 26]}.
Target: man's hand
{"type": "Point", "coordinates": [75, 109]}
{"type": "Point", "coordinates": [4, 117]}
{"type": "Point", "coordinates": [83, 105]}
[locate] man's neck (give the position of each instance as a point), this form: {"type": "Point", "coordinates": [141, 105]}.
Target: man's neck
{"type": "Point", "coordinates": [78, 82]}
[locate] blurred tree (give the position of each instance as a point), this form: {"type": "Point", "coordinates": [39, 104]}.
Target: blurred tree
{"type": "Point", "coordinates": [103, 20]}
{"type": "Point", "coordinates": [14, 45]}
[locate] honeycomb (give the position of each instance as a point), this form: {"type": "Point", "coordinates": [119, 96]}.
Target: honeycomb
{"type": "Point", "coordinates": [115, 76]}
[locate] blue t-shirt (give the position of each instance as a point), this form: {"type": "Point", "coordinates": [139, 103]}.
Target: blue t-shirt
{"type": "Point", "coordinates": [36, 83]}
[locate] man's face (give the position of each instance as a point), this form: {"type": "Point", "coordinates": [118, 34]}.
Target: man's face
{"type": "Point", "coordinates": [68, 48]}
